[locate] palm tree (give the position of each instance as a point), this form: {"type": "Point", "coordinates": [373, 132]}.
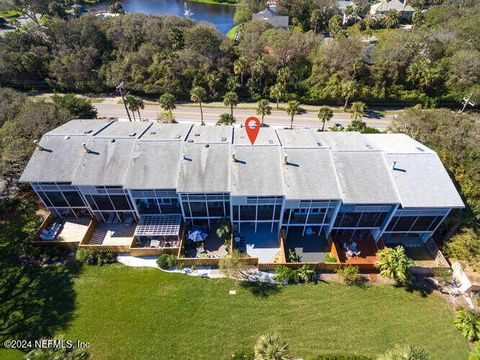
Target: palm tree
{"type": "Point", "coordinates": [293, 108]}
{"type": "Point", "coordinates": [357, 110]}
{"type": "Point", "coordinates": [167, 102]}
{"type": "Point", "coordinates": [240, 66]}
{"type": "Point", "coordinates": [134, 103]}
{"type": "Point", "coordinates": [395, 264]}
{"type": "Point", "coordinates": [324, 114]}
{"type": "Point", "coordinates": [391, 19]}
{"type": "Point", "coordinates": [230, 99]}
{"type": "Point", "coordinates": [277, 92]}
{"type": "Point", "coordinates": [264, 108]}
{"type": "Point", "coordinates": [407, 352]}
{"type": "Point", "coordinates": [199, 95]}
{"type": "Point", "coordinates": [349, 90]}
{"type": "Point", "coordinates": [259, 70]}
{"type": "Point", "coordinates": [271, 347]}
{"type": "Point", "coordinates": [225, 119]}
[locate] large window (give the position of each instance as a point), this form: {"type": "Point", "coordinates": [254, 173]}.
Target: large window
{"type": "Point", "coordinates": [120, 202]}
{"type": "Point", "coordinates": [74, 198]}
{"type": "Point", "coordinates": [103, 202]}
{"type": "Point", "coordinates": [199, 209]}
{"type": "Point", "coordinates": [147, 206]}
{"type": "Point", "coordinates": [248, 212]}
{"type": "Point", "coordinates": [57, 199]}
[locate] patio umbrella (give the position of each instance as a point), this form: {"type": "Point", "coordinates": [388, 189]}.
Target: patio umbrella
{"type": "Point", "coordinates": [197, 236]}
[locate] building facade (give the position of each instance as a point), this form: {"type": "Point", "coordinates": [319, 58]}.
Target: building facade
{"type": "Point", "coordinates": [348, 185]}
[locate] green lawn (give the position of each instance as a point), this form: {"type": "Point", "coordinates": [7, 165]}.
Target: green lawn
{"type": "Point", "coordinates": [232, 31]}
{"type": "Point", "coordinates": [133, 313]}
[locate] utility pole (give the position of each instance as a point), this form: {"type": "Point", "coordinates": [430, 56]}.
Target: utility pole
{"type": "Point", "coordinates": [119, 89]}
{"type": "Point", "coordinates": [466, 101]}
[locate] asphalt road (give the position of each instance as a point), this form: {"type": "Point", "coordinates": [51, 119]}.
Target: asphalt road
{"type": "Point", "coordinates": [278, 118]}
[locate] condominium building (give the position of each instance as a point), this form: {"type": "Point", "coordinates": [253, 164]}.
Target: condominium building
{"type": "Point", "coordinates": [311, 184]}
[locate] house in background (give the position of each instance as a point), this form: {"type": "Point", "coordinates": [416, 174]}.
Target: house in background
{"type": "Point", "coordinates": [270, 15]}
{"type": "Point", "coordinates": [146, 179]}
{"type": "Point", "coordinates": [384, 6]}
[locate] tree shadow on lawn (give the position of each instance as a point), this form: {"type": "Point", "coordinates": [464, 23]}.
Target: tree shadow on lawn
{"type": "Point", "coordinates": [35, 301]}
{"type": "Point", "coordinates": [261, 289]}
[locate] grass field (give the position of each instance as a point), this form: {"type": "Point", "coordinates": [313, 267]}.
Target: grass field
{"type": "Point", "coordinates": [133, 313]}
{"type": "Point", "coordinates": [232, 31]}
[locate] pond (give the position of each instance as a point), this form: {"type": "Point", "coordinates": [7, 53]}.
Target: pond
{"type": "Point", "coordinates": [219, 15]}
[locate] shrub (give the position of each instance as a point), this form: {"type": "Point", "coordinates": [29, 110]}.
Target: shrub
{"type": "Point", "coordinates": [465, 246]}
{"type": "Point", "coordinates": [350, 274]}
{"type": "Point", "coordinates": [329, 258]}
{"type": "Point", "coordinates": [305, 274]}
{"type": "Point", "coordinates": [405, 352]}
{"type": "Point", "coordinates": [233, 266]}
{"type": "Point", "coordinates": [395, 264]}
{"type": "Point", "coordinates": [271, 346]}
{"type": "Point", "coordinates": [292, 255]}
{"type": "Point", "coordinates": [468, 322]}
{"type": "Point", "coordinates": [78, 107]}
{"type": "Point", "coordinates": [92, 257]}
{"type": "Point", "coordinates": [64, 353]}
{"type": "Point", "coordinates": [284, 273]}
{"type": "Point", "coordinates": [166, 261]}
{"type": "Point", "coordinates": [443, 275]}
{"type": "Point", "coordinates": [84, 254]}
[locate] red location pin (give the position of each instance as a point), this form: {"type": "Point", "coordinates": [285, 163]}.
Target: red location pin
{"type": "Point", "coordinates": [252, 126]}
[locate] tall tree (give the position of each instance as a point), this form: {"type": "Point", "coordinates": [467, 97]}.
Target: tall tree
{"type": "Point", "coordinates": [230, 99]}
{"type": "Point", "coordinates": [293, 108]}
{"type": "Point", "coordinates": [199, 95]}
{"type": "Point", "coordinates": [240, 67]}
{"type": "Point", "coordinates": [167, 102]}
{"type": "Point", "coordinates": [357, 110]}
{"type": "Point", "coordinates": [277, 92]}
{"type": "Point", "coordinates": [263, 108]}
{"type": "Point", "coordinates": [134, 103]}
{"type": "Point", "coordinates": [349, 90]}
{"type": "Point", "coordinates": [324, 114]}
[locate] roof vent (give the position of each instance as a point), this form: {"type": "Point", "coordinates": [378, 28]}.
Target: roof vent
{"type": "Point", "coordinates": [207, 145]}
{"type": "Point", "coordinates": [85, 148]}
{"type": "Point", "coordinates": [88, 132]}
{"type": "Point", "coordinates": [197, 134]}
{"type": "Point", "coordinates": [184, 157]}
{"type": "Point", "coordinates": [420, 149]}
{"type": "Point", "coordinates": [133, 134]}
{"type": "Point", "coordinates": [153, 133]}
{"type": "Point", "coordinates": [270, 141]}
{"type": "Point", "coordinates": [393, 165]}
{"type": "Point", "coordinates": [66, 137]}
{"type": "Point", "coordinates": [112, 141]}
{"type": "Point", "coordinates": [37, 144]}
{"type": "Point", "coordinates": [285, 160]}
{"type": "Point", "coordinates": [224, 139]}
{"type": "Point", "coordinates": [177, 136]}
{"type": "Point", "coordinates": [234, 158]}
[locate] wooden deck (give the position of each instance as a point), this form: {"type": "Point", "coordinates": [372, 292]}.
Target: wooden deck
{"type": "Point", "coordinates": [71, 234]}
{"type": "Point", "coordinates": [368, 251]}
